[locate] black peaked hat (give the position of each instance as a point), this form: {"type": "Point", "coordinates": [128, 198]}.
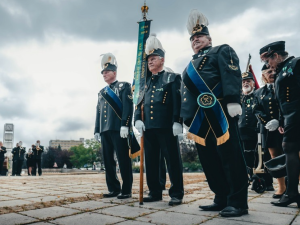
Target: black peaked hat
{"type": "Point", "coordinates": [272, 47]}
{"type": "Point", "coordinates": [197, 23]}
{"type": "Point", "coordinates": [264, 67]}
{"type": "Point", "coordinates": [109, 62]}
{"type": "Point", "coordinates": [247, 75]}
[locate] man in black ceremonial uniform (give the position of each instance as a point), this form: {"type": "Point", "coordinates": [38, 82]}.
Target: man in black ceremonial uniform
{"type": "Point", "coordinates": [16, 156]}
{"type": "Point", "coordinates": [113, 119]}
{"type": "Point", "coordinates": [211, 95]}
{"type": "Point", "coordinates": [249, 128]}
{"type": "Point", "coordinates": [2, 152]}
{"type": "Point", "coordinates": [20, 151]}
{"type": "Point", "coordinates": [161, 125]}
{"type": "Point", "coordinates": [37, 150]}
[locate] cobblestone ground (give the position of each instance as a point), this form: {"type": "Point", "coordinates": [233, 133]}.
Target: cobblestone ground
{"type": "Point", "coordinates": [77, 199]}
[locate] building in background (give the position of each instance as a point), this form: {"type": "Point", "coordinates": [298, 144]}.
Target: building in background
{"type": "Point", "coordinates": [8, 138]}
{"type": "Point", "coordinates": [65, 144]}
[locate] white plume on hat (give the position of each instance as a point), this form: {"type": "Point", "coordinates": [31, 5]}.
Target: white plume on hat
{"type": "Point", "coordinates": [195, 18]}
{"type": "Point", "coordinates": [153, 43]}
{"type": "Point", "coordinates": [108, 58]}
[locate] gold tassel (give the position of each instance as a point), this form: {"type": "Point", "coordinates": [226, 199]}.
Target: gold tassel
{"type": "Point", "coordinates": [195, 138]}
{"type": "Point", "coordinates": [133, 156]}
{"type": "Point", "coordinates": [223, 138]}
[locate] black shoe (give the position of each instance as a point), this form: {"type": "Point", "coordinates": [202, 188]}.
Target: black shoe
{"type": "Point", "coordinates": [121, 196]}
{"type": "Point", "coordinates": [175, 201]}
{"type": "Point", "coordinates": [270, 188]}
{"type": "Point", "coordinates": [212, 207]}
{"type": "Point", "coordinates": [284, 201]}
{"type": "Point", "coordinates": [152, 199]}
{"type": "Point", "coordinates": [111, 194]}
{"type": "Point", "coordinates": [231, 211]}
{"type": "Point", "coordinates": [277, 196]}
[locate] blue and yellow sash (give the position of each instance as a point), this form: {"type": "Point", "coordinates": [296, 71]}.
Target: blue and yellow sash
{"type": "Point", "coordinates": [210, 114]}
{"type": "Point", "coordinates": [116, 104]}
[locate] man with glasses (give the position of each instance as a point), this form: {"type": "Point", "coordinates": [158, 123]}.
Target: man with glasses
{"type": "Point", "coordinates": [161, 125]}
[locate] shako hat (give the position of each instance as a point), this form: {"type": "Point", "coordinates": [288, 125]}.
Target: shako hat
{"type": "Point", "coordinates": [197, 23]}
{"type": "Point", "coordinates": [108, 62]}
{"type": "Point", "coordinates": [247, 75]}
{"type": "Point", "coordinates": [269, 49]}
{"type": "Point", "coordinates": [154, 47]}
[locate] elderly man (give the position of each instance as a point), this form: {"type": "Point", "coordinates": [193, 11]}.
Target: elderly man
{"type": "Point", "coordinates": [211, 95]}
{"type": "Point", "coordinates": [248, 128]}
{"type": "Point", "coordinates": [161, 125]}
{"type": "Point", "coordinates": [113, 119]}
{"type": "Point", "coordinates": [2, 152]}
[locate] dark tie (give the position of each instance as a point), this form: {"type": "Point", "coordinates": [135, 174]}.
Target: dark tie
{"type": "Point", "coordinates": [271, 90]}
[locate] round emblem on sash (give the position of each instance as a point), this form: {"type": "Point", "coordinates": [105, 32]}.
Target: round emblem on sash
{"type": "Point", "coordinates": [206, 100]}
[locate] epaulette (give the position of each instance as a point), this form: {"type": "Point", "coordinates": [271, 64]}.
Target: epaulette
{"type": "Point", "coordinates": [215, 49]}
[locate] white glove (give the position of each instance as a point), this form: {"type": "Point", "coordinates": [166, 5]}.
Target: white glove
{"type": "Point", "coordinates": [97, 137]}
{"type": "Point", "coordinates": [177, 128]}
{"type": "Point", "coordinates": [124, 132]}
{"type": "Point", "coordinates": [272, 125]}
{"type": "Point", "coordinates": [234, 109]}
{"type": "Point", "coordinates": [139, 125]}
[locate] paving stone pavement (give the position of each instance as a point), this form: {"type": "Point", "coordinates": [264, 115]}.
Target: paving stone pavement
{"type": "Point", "coordinates": [77, 199]}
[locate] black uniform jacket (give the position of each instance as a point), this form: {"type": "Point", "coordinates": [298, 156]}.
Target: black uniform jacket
{"type": "Point", "coordinates": [266, 106]}
{"type": "Point", "coordinates": [106, 118]}
{"type": "Point", "coordinates": [248, 121]}
{"type": "Point", "coordinates": [2, 152]}
{"type": "Point", "coordinates": [18, 153]}
{"type": "Point", "coordinates": [219, 64]}
{"type": "Point", "coordinates": [37, 154]}
{"type": "Point", "coordinates": [287, 88]}
{"type": "Point", "coordinates": [161, 101]}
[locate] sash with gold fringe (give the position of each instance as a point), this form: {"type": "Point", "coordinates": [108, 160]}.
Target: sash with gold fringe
{"type": "Point", "coordinates": [116, 104]}
{"type": "Point", "coordinates": [210, 114]}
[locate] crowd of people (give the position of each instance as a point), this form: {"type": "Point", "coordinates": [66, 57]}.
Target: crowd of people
{"type": "Point", "coordinates": [220, 119]}
{"type": "Point", "coordinates": [33, 159]}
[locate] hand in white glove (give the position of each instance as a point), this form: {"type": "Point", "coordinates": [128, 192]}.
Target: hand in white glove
{"type": "Point", "coordinates": [139, 125]}
{"type": "Point", "coordinates": [97, 137]}
{"type": "Point", "coordinates": [124, 132]}
{"type": "Point", "coordinates": [272, 125]}
{"type": "Point", "coordinates": [234, 109]}
{"type": "Point", "coordinates": [177, 128]}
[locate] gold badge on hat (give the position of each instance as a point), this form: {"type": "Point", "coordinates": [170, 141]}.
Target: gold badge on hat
{"type": "Point", "coordinates": [151, 51]}
{"type": "Point", "coordinates": [245, 74]}
{"type": "Point", "coordinates": [197, 28]}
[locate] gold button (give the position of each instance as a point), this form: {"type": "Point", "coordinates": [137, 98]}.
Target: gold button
{"type": "Point", "coordinates": [287, 100]}
{"type": "Point", "coordinates": [152, 96]}
{"type": "Point", "coordinates": [153, 91]}
{"type": "Point", "coordinates": [184, 99]}
{"type": "Point", "coordinates": [151, 106]}
{"type": "Point", "coordinates": [153, 86]}
{"type": "Point", "coordinates": [287, 87]}
{"type": "Point", "coordinates": [184, 87]}
{"type": "Point", "coordinates": [270, 103]}
{"type": "Point", "coordinates": [151, 100]}
{"type": "Point", "coordinates": [104, 115]}
{"type": "Point", "coordinates": [270, 107]}
{"type": "Point", "coordinates": [105, 111]}
{"type": "Point", "coordinates": [272, 117]}
{"type": "Point", "coordinates": [152, 78]}
{"type": "Point", "coordinates": [271, 112]}
{"type": "Point", "coordinates": [184, 93]}
{"type": "Point", "coordinates": [287, 94]}
{"type": "Point", "coordinates": [269, 98]}
{"type": "Point", "coordinates": [151, 118]}
{"type": "Point", "coordinates": [151, 112]}
{"type": "Point", "coordinates": [104, 106]}
{"type": "Point", "coordinates": [166, 92]}
{"type": "Point", "coordinates": [105, 102]}
{"type": "Point", "coordinates": [104, 120]}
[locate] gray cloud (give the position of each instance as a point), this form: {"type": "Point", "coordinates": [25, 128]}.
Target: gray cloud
{"type": "Point", "coordinates": [108, 20]}
{"type": "Point", "coordinates": [72, 124]}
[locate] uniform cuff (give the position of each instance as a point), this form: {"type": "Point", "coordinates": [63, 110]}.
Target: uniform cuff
{"type": "Point", "coordinates": [177, 119]}
{"type": "Point", "coordinates": [125, 123]}
{"type": "Point", "coordinates": [96, 130]}
{"type": "Point", "coordinates": [232, 99]}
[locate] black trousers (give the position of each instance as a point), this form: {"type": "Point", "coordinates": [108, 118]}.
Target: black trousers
{"type": "Point", "coordinates": [111, 143]}
{"type": "Point", "coordinates": [251, 158]}
{"type": "Point", "coordinates": [157, 141]}
{"type": "Point", "coordinates": [225, 168]}
{"type": "Point", "coordinates": [1, 166]}
{"type": "Point", "coordinates": [15, 167]}
{"type": "Point", "coordinates": [19, 166]}
{"type": "Point", "coordinates": [37, 165]}
{"type": "Point", "coordinates": [162, 172]}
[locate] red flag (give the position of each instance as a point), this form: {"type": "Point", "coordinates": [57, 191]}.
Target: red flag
{"type": "Point", "coordinates": [255, 81]}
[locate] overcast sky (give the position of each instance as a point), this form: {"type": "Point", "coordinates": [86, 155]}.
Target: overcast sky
{"type": "Point", "coordinates": [49, 52]}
